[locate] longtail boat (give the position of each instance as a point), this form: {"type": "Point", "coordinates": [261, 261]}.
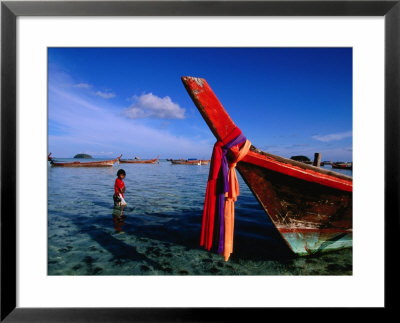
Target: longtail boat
{"type": "Point", "coordinates": [342, 165]}
{"type": "Point", "coordinates": [139, 161]}
{"type": "Point", "coordinates": [185, 162]}
{"type": "Point", "coordinates": [49, 158]}
{"type": "Point", "coordinates": [311, 207]}
{"type": "Point", "coordinates": [204, 162]}
{"type": "Point", "coordinates": [102, 163]}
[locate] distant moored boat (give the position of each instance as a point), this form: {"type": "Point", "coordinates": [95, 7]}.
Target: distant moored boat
{"type": "Point", "coordinates": [185, 162]}
{"type": "Point", "coordinates": [341, 165]}
{"type": "Point", "coordinates": [139, 161]}
{"type": "Point", "coordinates": [103, 163]}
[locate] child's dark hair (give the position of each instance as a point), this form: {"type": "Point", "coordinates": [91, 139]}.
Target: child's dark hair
{"type": "Point", "coordinates": [121, 171]}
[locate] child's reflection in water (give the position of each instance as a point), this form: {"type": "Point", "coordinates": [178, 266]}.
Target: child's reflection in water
{"type": "Point", "coordinates": [118, 218]}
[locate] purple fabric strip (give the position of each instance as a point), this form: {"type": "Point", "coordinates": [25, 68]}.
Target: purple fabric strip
{"type": "Point", "coordinates": [220, 199]}
{"type": "Point", "coordinates": [224, 187]}
{"type": "Point", "coordinates": [238, 140]}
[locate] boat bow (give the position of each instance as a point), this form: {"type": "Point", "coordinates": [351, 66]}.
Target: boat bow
{"type": "Point", "coordinates": [310, 206]}
{"type": "Point", "coordinates": [221, 125]}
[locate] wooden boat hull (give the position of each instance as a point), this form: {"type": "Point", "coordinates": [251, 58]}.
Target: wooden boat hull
{"type": "Point", "coordinates": [311, 207]}
{"type": "Point", "coordinates": [310, 217]}
{"type": "Point", "coordinates": [79, 164]}
{"type": "Point", "coordinates": [147, 161]}
{"type": "Point", "coordinates": [342, 166]}
{"type": "Point", "coordinates": [105, 163]}
{"type": "Point", "coordinates": [185, 162]}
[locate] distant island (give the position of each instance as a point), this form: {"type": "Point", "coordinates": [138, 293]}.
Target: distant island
{"type": "Point", "coordinates": [301, 158]}
{"type": "Point", "coordinates": [82, 156]}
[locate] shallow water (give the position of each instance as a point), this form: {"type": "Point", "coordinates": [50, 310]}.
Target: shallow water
{"type": "Point", "coordinates": [159, 232]}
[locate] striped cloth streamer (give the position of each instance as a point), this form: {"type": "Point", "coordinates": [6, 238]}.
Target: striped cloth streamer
{"type": "Point", "coordinates": [218, 187]}
{"type": "Point", "coordinates": [230, 199]}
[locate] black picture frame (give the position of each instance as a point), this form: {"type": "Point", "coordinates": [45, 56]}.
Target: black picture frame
{"type": "Point", "coordinates": [10, 10]}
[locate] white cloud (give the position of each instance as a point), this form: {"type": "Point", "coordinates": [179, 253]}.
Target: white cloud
{"type": "Point", "coordinates": [105, 95]}
{"type": "Point", "coordinates": [333, 136]}
{"type": "Point", "coordinates": [71, 98]}
{"type": "Point", "coordinates": [82, 86]}
{"type": "Point", "coordinates": [151, 106]}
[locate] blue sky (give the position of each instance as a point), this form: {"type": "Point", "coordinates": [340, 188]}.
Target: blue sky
{"type": "Point", "coordinates": [287, 101]}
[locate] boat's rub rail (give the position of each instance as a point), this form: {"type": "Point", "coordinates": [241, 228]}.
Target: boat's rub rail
{"type": "Point", "coordinates": [300, 164]}
{"type": "Point", "coordinates": [297, 170]}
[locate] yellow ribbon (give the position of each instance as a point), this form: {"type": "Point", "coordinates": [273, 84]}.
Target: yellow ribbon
{"type": "Point", "coordinates": [230, 199]}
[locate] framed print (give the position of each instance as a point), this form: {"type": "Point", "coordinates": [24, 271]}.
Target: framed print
{"type": "Point", "coordinates": [106, 159]}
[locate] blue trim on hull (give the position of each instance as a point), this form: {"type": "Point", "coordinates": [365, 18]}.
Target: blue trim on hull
{"type": "Point", "coordinates": [304, 244]}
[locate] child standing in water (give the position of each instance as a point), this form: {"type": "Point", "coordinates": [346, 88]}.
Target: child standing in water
{"type": "Point", "coordinates": [119, 189]}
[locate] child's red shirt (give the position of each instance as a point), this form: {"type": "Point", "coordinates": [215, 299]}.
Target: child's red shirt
{"type": "Point", "coordinates": [119, 184]}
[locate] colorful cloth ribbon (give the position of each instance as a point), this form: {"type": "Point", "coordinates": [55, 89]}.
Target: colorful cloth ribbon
{"type": "Point", "coordinates": [219, 186]}
{"type": "Point", "coordinates": [230, 199]}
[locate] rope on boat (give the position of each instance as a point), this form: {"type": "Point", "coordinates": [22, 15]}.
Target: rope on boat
{"type": "Point", "coordinates": [222, 191]}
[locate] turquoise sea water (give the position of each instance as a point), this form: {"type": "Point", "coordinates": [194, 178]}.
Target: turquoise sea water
{"type": "Point", "coordinates": [159, 232]}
